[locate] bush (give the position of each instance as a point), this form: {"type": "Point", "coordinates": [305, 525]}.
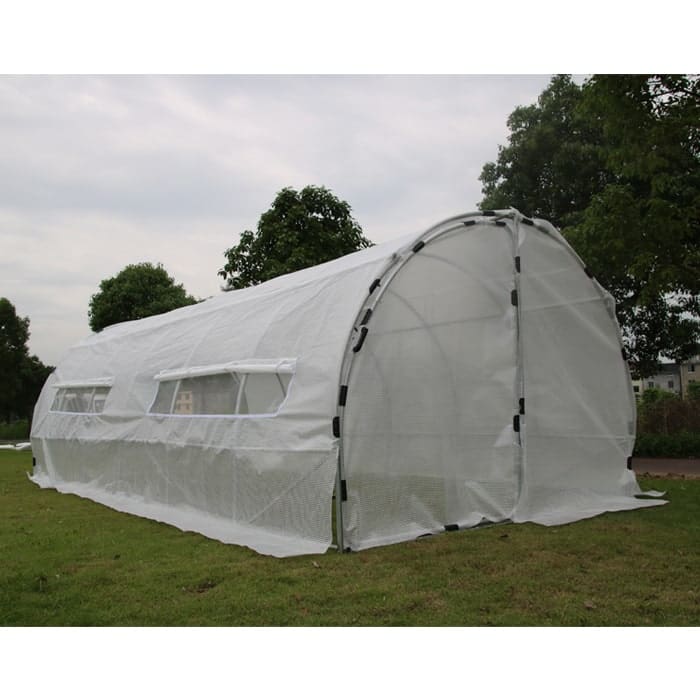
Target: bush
{"type": "Point", "coordinates": [17, 430]}
{"type": "Point", "coordinates": [665, 413]}
{"type": "Point", "coordinates": [684, 445]}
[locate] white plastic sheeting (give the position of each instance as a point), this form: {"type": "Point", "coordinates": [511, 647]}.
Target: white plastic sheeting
{"type": "Point", "coordinates": [262, 481]}
{"type": "Point", "coordinates": [428, 425]}
{"type": "Point", "coordinates": [398, 372]}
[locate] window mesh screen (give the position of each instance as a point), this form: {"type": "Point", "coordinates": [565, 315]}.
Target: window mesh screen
{"type": "Point", "coordinates": [164, 398]}
{"type": "Point", "coordinates": [259, 393]}
{"type": "Point", "coordinates": [84, 399]}
{"type": "Point", "coordinates": [263, 393]}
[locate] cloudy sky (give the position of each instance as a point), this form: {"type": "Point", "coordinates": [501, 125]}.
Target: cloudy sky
{"type": "Point", "coordinates": [100, 172]}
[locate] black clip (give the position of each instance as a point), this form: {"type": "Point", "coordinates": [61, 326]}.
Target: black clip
{"type": "Point", "coordinates": [363, 334]}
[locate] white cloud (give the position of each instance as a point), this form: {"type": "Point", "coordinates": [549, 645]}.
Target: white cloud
{"type": "Point", "coordinates": [100, 172]}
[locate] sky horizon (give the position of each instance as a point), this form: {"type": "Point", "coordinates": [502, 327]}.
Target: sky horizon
{"type": "Point", "coordinates": [101, 172]}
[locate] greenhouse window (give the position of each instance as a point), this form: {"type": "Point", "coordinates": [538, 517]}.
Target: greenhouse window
{"type": "Point", "coordinates": [246, 388]}
{"type": "Point", "coordinates": [81, 397]}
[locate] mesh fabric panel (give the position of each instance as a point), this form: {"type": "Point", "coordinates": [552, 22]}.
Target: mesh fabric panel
{"type": "Point", "coordinates": [579, 422]}
{"type": "Point", "coordinates": [427, 427]}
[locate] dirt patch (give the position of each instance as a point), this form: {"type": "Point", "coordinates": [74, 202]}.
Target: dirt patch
{"type": "Point", "coordinates": [201, 587]}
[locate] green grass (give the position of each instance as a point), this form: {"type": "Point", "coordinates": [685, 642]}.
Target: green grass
{"type": "Point", "coordinates": [69, 561]}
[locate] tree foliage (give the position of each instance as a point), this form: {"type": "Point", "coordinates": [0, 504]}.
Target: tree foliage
{"type": "Point", "coordinates": [138, 291]}
{"type": "Point", "coordinates": [21, 375]}
{"type": "Point", "coordinates": [694, 391]}
{"type": "Point", "coordinates": [615, 164]}
{"type": "Point", "coordinates": [663, 412]}
{"type": "Point", "coordinates": [553, 163]}
{"type": "Point", "coordinates": [299, 230]}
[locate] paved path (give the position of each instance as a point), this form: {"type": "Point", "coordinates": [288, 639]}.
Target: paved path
{"type": "Point", "coordinates": [663, 466]}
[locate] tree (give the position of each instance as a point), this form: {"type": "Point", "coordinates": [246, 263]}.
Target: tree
{"type": "Point", "coordinates": [299, 230]}
{"type": "Point", "coordinates": [14, 333]}
{"type": "Point", "coordinates": [21, 375]}
{"type": "Point", "coordinates": [615, 165]}
{"type": "Point", "coordinates": [33, 375]}
{"type": "Point", "coordinates": [553, 163]}
{"type": "Point", "coordinates": [641, 231]}
{"type": "Point", "coordinates": [138, 291]}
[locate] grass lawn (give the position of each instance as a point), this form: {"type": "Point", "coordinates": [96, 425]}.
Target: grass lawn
{"type": "Point", "coordinates": [69, 561]}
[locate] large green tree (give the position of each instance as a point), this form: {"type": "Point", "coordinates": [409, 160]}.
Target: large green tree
{"type": "Point", "coordinates": [138, 291]}
{"type": "Point", "coordinates": [615, 163]}
{"type": "Point", "coordinates": [553, 163]}
{"type": "Point", "coordinates": [641, 231]}
{"type": "Point", "coordinates": [299, 230]}
{"type": "Point", "coordinates": [14, 333]}
{"type": "Point", "coordinates": [33, 375]}
{"type": "Point", "coordinates": [21, 375]}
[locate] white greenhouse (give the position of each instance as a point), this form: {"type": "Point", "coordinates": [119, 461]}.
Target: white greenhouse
{"type": "Point", "coordinates": [473, 374]}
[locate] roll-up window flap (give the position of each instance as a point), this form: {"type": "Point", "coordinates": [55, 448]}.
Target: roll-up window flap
{"type": "Point", "coordinates": [83, 383]}
{"type": "Point", "coordinates": [282, 366]}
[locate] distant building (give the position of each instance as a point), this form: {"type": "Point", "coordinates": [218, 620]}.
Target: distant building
{"type": "Point", "coordinates": [672, 376]}
{"type": "Point", "coordinates": [689, 372]}
{"type": "Point", "coordinates": [184, 403]}
{"type": "Point", "coordinates": [667, 378]}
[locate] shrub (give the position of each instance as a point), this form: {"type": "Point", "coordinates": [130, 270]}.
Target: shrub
{"type": "Point", "coordinates": [662, 412]}
{"type": "Point", "coordinates": [684, 444]}
{"type": "Point", "coordinates": [17, 430]}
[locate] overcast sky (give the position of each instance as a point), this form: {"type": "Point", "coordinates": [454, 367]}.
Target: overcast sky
{"type": "Point", "coordinates": [100, 172]}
